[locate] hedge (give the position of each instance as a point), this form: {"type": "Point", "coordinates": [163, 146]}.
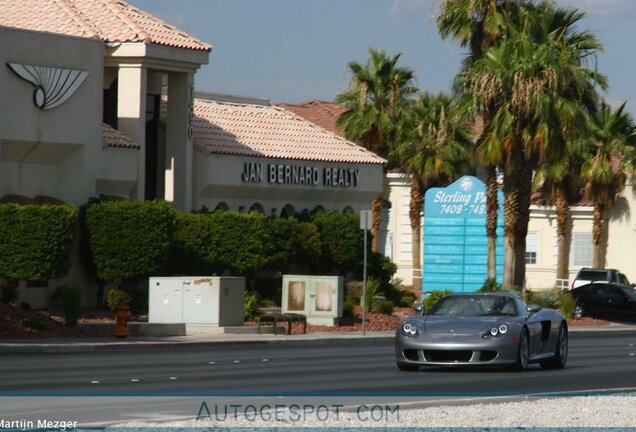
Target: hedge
{"type": "Point", "coordinates": [292, 244]}
{"type": "Point", "coordinates": [342, 242]}
{"type": "Point", "coordinates": [129, 239]}
{"type": "Point", "coordinates": [36, 241]}
{"type": "Point", "coordinates": [242, 244]}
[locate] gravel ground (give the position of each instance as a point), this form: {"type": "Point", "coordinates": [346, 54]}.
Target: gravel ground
{"type": "Point", "coordinates": [557, 413]}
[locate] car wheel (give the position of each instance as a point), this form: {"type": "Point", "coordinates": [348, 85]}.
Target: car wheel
{"type": "Point", "coordinates": [578, 312]}
{"type": "Point", "coordinates": [560, 352]}
{"type": "Point", "coordinates": [407, 367]}
{"type": "Point", "coordinates": [523, 351]}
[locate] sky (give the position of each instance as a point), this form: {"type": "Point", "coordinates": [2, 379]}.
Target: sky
{"type": "Point", "coordinates": [297, 50]}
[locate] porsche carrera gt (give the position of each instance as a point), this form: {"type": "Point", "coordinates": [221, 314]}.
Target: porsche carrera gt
{"type": "Point", "coordinates": [482, 329]}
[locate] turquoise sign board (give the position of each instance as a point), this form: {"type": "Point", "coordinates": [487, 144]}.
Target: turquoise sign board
{"type": "Point", "coordinates": [455, 241]}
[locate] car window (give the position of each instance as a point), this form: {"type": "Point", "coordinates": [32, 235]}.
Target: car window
{"type": "Point", "coordinates": [592, 275]}
{"type": "Point", "coordinates": [622, 279]}
{"type": "Point", "coordinates": [475, 306]}
{"type": "Point", "coordinates": [458, 305]}
{"type": "Point", "coordinates": [629, 293]}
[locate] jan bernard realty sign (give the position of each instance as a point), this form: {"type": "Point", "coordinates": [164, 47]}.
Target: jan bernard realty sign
{"type": "Point", "coordinates": [300, 175]}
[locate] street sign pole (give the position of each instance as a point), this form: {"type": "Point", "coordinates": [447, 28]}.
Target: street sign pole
{"type": "Point", "coordinates": [365, 224]}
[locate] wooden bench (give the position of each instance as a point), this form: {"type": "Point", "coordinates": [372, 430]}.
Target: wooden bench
{"type": "Point", "coordinates": [288, 318]}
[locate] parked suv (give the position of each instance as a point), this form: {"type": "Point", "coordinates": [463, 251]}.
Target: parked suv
{"type": "Point", "coordinates": [587, 275]}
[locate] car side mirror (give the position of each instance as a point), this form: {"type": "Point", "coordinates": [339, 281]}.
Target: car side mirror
{"type": "Point", "coordinates": [419, 308]}
{"type": "Point", "coordinates": [533, 309]}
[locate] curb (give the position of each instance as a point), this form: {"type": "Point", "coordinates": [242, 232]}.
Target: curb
{"type": "Point", "coordinates": [202, 340]}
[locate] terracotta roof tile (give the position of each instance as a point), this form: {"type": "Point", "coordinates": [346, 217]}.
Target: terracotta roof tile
{"type": "Point", "coordinates": [113, 138]}
{"type": "Point", "coordinates": [109, 20]}
{"type": "Point", "coordinates": [322, 113]}
{"type": "Point", "coordinates": [270, 132]}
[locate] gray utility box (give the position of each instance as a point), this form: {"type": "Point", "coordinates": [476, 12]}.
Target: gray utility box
{"type": "Point", "coordinates": [319, 298]}
{"type": "Point", "coordinates": [196, 300]}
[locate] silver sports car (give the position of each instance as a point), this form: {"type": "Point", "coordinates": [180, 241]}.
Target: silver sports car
{"type": "Point", "coordinates": [482, 329]}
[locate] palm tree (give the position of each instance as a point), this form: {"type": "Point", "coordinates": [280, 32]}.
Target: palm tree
{"type": "Point", "coordinates": [433, 151]}
{"type": "Point", "coordinates": [479, 24]}
{"type": "Point", "coordinates": [533, 84]}
{"type": "Point", "coordinates": [558, 182]}
{"type": "Point", "coordinates": [377, 94]}
{"type": "Point", "coordinates": [476, 24]}
{"type": "Point", "coordinates": [612, 138]}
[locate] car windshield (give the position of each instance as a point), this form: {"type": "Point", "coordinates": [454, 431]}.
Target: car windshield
{"type": "Point", "coordinates": [466, 305]}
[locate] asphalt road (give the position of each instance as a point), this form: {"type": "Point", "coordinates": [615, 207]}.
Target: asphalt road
{"type": "Point", "coordinates": [597, 361]}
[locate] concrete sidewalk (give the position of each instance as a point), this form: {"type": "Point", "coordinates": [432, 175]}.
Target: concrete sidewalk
{"type": "Point", "coordinates": [205, 336]}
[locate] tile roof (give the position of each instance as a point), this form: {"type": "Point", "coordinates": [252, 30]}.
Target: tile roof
{"type": "Point", "coordinates": [109, 20]}
{"type": "Point", "coordinates": [323, 113]}
{"type": "Point", "coordinates": [270, 132]}
{"type": "Point", "coordinates": [113, 138]}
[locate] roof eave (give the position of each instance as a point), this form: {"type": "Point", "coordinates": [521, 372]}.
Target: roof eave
{"type": "Point", "coordinates": [171, 58]}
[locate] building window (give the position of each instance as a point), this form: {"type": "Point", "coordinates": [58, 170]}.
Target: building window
{"type": "Point", "coordinates": [531, 247]}
{"type": "Point", "coordinates": [582, 249]}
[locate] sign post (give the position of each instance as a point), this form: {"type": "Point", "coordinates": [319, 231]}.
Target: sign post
{"type": "Point", "coordinates": [365, 224]}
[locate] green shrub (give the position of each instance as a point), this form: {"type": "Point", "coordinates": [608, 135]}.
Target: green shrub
{"type": "Point", "coordinates": [548, 298]}
{"type": "Point", "coordinates": [433, 297]}
{"type": "Point", "coordinates": [289, 243]}
{"type": "Point", "coordinates": [567, 304]}
{"type": "Point", "coordinates": [36, 241]}
{"type": "Point", "coordinates": [348, 308]}
{"type": "Point", "coordinates": [384, 307]}
{"type": "Point", "coordinates": [129, 239]}
{"type": "Point", "coordinates": [34, 322]}
{"type": "Point", "coordinates": [195, 245]}
{"type": "Point", "coordinates": [250, 308]}
{"type": "Point", "coordinates": [117, 296]}
{"type": "Point", "coordinates": [242, 250]}
{"type": "Point", "coordinates": [407, 298]}
{"type": "Point", "coordinates": [341, 242]}
{"type": "Point", "coordinates": [372, 294]}
{"type": "Point", "coordinates": [381, 267]}
{"type": "Point", "coordinates": [71, 304]}
{"type": "Point", "coordinates": [490, 285]}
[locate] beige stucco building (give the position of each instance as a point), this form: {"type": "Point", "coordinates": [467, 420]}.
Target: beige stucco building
{"type": "Point", "coordinates": [102, 102]}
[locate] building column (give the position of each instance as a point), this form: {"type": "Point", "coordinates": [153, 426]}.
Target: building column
{"type": "Point", "coordinates": [179, 148]}
{"type": "Point", "coordinates": [131, 114]}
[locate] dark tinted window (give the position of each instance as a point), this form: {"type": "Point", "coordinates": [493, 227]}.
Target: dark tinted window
{"type": "Point", "coordinates": [593, 275]}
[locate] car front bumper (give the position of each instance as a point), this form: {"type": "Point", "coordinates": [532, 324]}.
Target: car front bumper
{"type": "Point", "coordinates": [456, 350]}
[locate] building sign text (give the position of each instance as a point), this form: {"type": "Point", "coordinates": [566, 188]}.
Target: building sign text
{"type": "Point", "coordinates": [300, 175]}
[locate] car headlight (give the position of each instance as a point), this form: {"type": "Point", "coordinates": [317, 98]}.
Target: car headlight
{"type": "Point", "coordinates": [495, 331]}
{"type": "Point", "coordinates": [409, 329]}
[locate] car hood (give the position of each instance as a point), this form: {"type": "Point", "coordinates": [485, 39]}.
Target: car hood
{"type": "Point", "coordinates": [458, 325]}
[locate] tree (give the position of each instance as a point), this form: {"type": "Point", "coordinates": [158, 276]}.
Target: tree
{"type": "Point", "coordinates": [612, 136]}
{"type": "Point", "coordinates": [375, 100]}
{"type": "Point", "coordinates": [557, 180]}
{"type": "Point", "coordinates": [433, 151]}
{"type": "Point", "coordinates": [479, 24]}
{"type": "Point", "coordinates": [534, 84]}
